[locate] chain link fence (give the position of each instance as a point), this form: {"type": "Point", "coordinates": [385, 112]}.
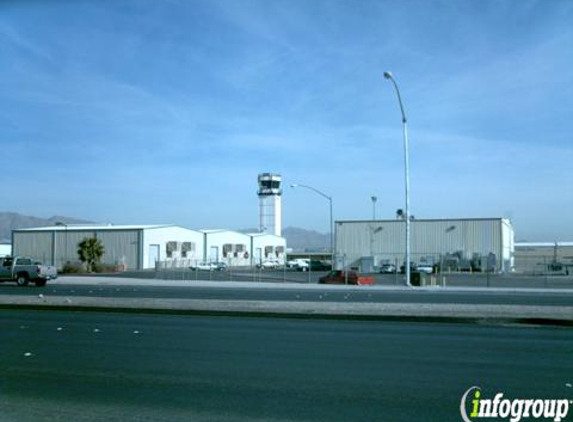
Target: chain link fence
{"type": "Point", "coordinates": [266, 271]}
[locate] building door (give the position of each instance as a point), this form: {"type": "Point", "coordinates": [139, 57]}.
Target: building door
{"type": "Point", "coordinates": [258, 258]}
{"type": "Point", "coordinates": [153, 255]}
{"type": "Point", "coordinates": [214, 254]}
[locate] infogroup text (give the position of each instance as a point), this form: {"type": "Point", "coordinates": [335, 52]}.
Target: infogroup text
{"type": "Point", "coordinates": [514, 409]}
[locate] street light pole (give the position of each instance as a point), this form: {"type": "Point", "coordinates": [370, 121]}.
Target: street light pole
{"type": "Point", "coordinates": [374, 199]}
{"type": "Point", "coordinates": [329, 198]}
{"type": "Point", "coordinates": [389, 76]}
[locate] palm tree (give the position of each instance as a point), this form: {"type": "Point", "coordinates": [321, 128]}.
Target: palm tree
{"type": "Point", "coordinates": [90, 252]}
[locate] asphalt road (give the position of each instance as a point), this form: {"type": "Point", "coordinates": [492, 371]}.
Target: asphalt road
{"type": "Point", "coordinates": [328, 294]}
{"type": "Point", "coordinates": [64, 366]}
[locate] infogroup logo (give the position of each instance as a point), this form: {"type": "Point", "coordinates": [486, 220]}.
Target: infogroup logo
{"type": "Point", "coordinates": [514, 409]}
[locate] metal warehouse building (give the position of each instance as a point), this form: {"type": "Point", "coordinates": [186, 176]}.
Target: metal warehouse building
{"type": "Point", "coordinates": [267, 247]}
{"type": "Point", "coordinates": [228, 246]}
{"type": "Point", "coordinates": [134, 247]}
{"type": "Point", "coordinates": [543, 257]}
{"type": "Point", "coordinates": [241, 249]}
{"type": "Point", "coordinates": [140, 247]}
{"type": "Point", "coordinates": [456, 244]}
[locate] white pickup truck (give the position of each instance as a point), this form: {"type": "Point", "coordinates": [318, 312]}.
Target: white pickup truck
{"type": "Point", "coordinates": [24, 270]}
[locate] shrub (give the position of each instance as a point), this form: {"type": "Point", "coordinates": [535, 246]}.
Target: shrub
{"type": "Point", "coordinates": [73, 268]}
{"type": "Point", "coordinates": [105, 268]}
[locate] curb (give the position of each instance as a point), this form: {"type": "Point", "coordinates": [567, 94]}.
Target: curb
{"type": "Point", "coordinates": [396, 312]}
{"type": "Point", "coordinates": [117, 281]}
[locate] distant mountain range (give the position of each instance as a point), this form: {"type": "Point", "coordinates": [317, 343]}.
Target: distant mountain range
{"type": "Point", "coordinates": [11, 221]}
{"type": "Point", "coordinates": [300, 240]}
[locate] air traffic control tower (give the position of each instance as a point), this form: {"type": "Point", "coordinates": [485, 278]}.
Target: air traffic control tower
{"type": "Point", "coordinates": [270, 204]}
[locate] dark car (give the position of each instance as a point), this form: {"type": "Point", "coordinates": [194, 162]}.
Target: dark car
{"type": "Point", "coordinates": [220, 266]}
{"type": "Point", "coordinates": [316, 265]}
{"type": "Point", "coordinates": [413, 268]}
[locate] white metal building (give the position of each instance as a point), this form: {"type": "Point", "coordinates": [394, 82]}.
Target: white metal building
{"type": "Point", "coordinates": [240, 249]}
{"type": "Point", "coordinates": [5, 249]}
{"type": "Point", "coordinates": [458, 244]}
{"type": "Point", "coordinates": [267, 247]}
{"type": "Point", "coordinates": [132, 247]}
{"type": "Point", "coordinates": [227, 246]}
{"type": "Point", "coordinates": [140, 247]}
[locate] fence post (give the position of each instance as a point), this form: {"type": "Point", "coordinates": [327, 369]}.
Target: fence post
{"type": "Point", "coordinates": [545, 265]}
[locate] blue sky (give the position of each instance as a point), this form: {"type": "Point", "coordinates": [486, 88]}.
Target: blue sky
{"type": "Point", "coordinates": [166, 111]}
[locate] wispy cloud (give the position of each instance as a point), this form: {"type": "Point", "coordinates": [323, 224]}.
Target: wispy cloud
{"type": "Point", "coordinates": [197, 97]}
{"type": "Point", "coordinates": [22, 43]}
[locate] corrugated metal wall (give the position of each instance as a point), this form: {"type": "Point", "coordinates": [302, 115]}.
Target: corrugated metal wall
{"type": "Point", "coordinates": [38, 246]}
{"type": "Point", "coordinates": [539, 259]}
{"type": "Point", "coordinates": [121, 247]}
{"type": "Point", "coordinates": [56, 247]}
{"type": "Point", "coordinates": [430, 239]}
{"type": "Point", "coordinates": [67, 245]}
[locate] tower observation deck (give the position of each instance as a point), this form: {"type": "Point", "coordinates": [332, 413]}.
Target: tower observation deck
{"type": "Point", "coordinates": [270, 203]}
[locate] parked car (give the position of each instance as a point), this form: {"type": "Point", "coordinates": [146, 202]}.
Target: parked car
{"type": "Point", "coordinates": [342, 277]}
{"type": "Point", "coordinates": [425, 268]}
{"type": "Point", "coordinates": [298, 263]}
{"type": "Point", "coordinates": [269, 264]}
{"type": "Point", "coordinates": [221, 266]}
{"type": "Point", "coordinates": [315, 265]}
{"type": "Point", "coordinates": [413, 268]}
{"type": "Point", "coordinates": [388, 269]}
{"type": "Point", "coordinates": [23, 270]}
{"type": "Point", "coordinates": [204, 266]}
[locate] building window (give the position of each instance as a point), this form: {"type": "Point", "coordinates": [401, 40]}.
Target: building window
{"type": "Point", "coordinates": [187, 249]}
{"type": "Point", "coordinates": [268, 251]}
{"type": "Point", "coordinates": [279, 250]}
{"type": "Point", "coordinates": [227, 249]}
{"type": "Point", "coordinates": [170, 247]}
{"type": "Point", "coordinates": [239, 250]}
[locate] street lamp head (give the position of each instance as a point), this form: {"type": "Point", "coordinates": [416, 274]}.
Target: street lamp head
{"type": "Point", "coordinates": [293, 185]}
{"type": "Point", "coordinates": [388, 75]}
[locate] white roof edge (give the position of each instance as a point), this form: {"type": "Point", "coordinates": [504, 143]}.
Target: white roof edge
{"type": "Point", "coordinates": [538, 244]}
{"type": "Point", "coordinates": [213, 231]}
{"type": "Point", "coordinates": [71, 227]}
{"type": "Point", "coordinates": [264, 234]}
{"type": "Point", "coordinates": [391, 220]}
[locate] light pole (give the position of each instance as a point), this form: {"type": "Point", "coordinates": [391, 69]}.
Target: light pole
{"type": "Point", "coordinates": [389, 76]}
{"type": "Point", "coordinates": [374, 199]}
{"type": "Point", "coordinates": [329, 198]}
